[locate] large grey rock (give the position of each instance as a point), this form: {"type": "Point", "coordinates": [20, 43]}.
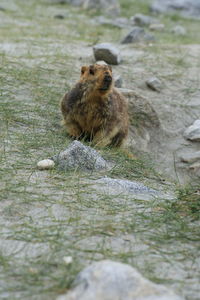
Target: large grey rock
{"type": "Point", "coordinates": [107, 52]}
{"type": "Point", "coordinates": [118, 186]}
{"type": "Point", "coordinates": [144, 120]}
{"type": "Point", "coordinates": [79, 156]}
{"type": "Point", "coordinates": [192, 133]}
{"type": "Point", "coordinates": [137, 34]}
{"type": "Point", "coordinates": [143, 20]}
{"type": "Point", "coordinates": [109, 280]}
{"type": "Point", "coordinates": [187, 8]}
{"type": "Point", "coordinates": [140, 110]}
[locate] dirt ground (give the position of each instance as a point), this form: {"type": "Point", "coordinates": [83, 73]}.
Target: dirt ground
{"type": "Point", "coordinates": [45, 216]}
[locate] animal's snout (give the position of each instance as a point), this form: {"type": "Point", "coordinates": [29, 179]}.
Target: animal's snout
{"type": "Point", "coordinates": [107, 78]}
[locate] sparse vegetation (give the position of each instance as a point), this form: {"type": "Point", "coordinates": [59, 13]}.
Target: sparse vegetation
{"type": "Point", "coordinates": [48, 215]}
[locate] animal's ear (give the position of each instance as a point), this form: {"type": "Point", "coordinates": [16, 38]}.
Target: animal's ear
{"type": "Point", "coordinates": [83, 69]}
{"type": "Point", "coordinates": [110, 68]}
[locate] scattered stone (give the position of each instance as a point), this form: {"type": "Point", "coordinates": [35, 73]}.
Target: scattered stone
{"type": "Point", "coordinates": [157, 27]}
{"type": "Point", "coordinates": [154, 83]}
{"type": "Point", "coordinates": [45, 164]}
{"type": "Point", "coordinates": [195, 167]}
{"type": "Point", "coordinates": [110, 7]}
{"type": "Point", "coordinates": [68, 260]}
{"type": "Point", "coordinates": [179, 30]}
{"type": "Point", "coordinates": [192, 133]}
{"type": "Point", "coordinates": [117, 22]}
{"type": "Point", "coordinates": [191, 157]}
{"type": "Point", "coordinates": [137, 34]}
{"type": "Point", "coordinates": [79, 156]}
{"type": "Point", "coordinates": [187, 8]}
{"type": "Point", "coordinates": [59, 16]}
{"type": "Point", "coordinates": [108, 53]}
{"type": "Point", "coordinates": [118, 81]}
{"type": "Point", "coordinates": [117, 186]}
{"type": "Point", "coordinates": [143, 20]}
{"type": "Point", "coordinates": [106, 280]}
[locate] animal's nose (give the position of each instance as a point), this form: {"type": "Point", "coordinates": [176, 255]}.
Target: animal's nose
{"type": "Point", "coordinates": [107, 78]}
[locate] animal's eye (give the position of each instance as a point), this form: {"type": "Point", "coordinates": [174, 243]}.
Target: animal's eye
{"type": "Point", "coordinates": [91, 70]}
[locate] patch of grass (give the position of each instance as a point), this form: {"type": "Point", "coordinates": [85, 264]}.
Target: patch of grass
{"type": "Point", "coordinates": [129, 165]}
{"type": "Point", "coordinates": [188, 202]}
{"type": "Point", "coordinates": [58, 210]}
{"type": "Point", "coordinates": [131, 7]}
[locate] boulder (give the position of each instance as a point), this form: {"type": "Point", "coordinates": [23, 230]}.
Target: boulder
{"type": "Point", "coordinates": [137, 34]}
{"type": "Point", "coordinates": [108, 53]}
{"type": "Point", "coordinates": [108, 280]}
{"type": "Point", "coordinates": [141, 112]}
{"type": "Point", "coordinates": [122, 186]}
{"type": "Point", "coordinates": [81, 157]}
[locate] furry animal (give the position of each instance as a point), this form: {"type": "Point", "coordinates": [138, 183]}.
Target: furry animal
{"type": "Point", "coordinates": [96, 110]}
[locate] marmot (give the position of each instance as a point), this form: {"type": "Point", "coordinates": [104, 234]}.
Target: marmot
{"type": "Point", "coordinates": [95, 109]}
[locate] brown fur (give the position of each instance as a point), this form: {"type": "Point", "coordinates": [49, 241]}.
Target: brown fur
{"type": "Point", "coordinates": [95, 109]}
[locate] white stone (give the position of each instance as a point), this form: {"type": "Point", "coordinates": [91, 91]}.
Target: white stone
{"type": "Point", "coordinates": [68, 260]}
{"type": "Point", "coordinates": [192, 133]}
{"type": "Point", "coordinates": [45, 164]}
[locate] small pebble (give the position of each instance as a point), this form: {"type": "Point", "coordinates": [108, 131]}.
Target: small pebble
{"type": "Point", "coordinates": [154, 84]}
{"type": "Point", "coordinates": [45, 164]}
{"type": "Point", "coordinates": [68, 260]}
{"type": "Point", "coordinates": [59, 16]}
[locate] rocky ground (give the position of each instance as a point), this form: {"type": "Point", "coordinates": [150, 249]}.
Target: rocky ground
{"type": "Point", "coordinates": [143, 211]}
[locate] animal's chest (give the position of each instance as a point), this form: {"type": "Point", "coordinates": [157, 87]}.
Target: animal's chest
{"type": "Point", "coordinates": [91, 116]}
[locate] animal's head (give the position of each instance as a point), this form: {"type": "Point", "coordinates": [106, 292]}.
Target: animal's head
{"type": "Point", "coordinates": [99, 77]}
